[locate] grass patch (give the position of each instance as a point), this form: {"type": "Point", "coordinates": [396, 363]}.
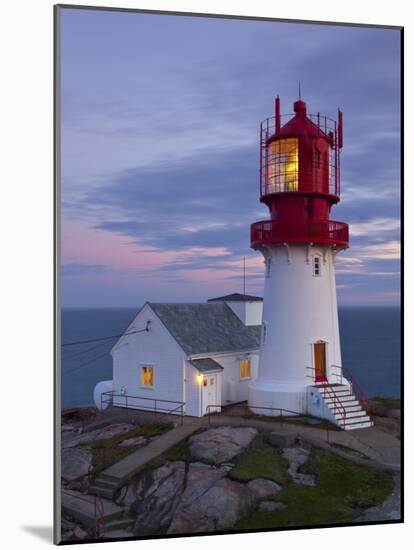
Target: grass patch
{"type": "Point", "coordinates": [179, 451]}
{"type": "Point", "coordinates": [261, 460]}
{"type": "Point", "coordinates": [106, 452]}
{"type": "Point", "coordinates": [342, 487]}
{"type": "Point", "coordinates": [382, 405]}
{"type": "Point", "coordinates": [103, 457]}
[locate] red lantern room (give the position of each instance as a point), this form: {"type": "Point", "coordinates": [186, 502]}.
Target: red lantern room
{"type": "Point", "coordinates": [299, 179]}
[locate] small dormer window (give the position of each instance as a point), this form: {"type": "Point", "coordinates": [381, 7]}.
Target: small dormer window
{"type": "Point", "coordinates": [317, 266]}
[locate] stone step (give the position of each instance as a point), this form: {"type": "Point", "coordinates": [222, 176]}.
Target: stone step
{"type": "Point", "coordinates": [358, 425]}
{"type": "Point", "coordinates": [349, 414]}
{"type": "Point", "coordinates": [353, 421]}
{"type": "Point", "coordinates": [351, 408]}
{"type": "Point", "coordinates": [82, 508]}
{"type": "Point", "coordinates": [344, 399]}
{"type": "Point", "coordinates": [102, 482]}
{"type": "Point", "coordinates": [102, 491]}
{"type": "Point", "coordinates": [109, 478]}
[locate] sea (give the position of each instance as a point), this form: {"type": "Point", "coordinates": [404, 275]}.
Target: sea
{"type": "Point", "coordinates": [370, 342]}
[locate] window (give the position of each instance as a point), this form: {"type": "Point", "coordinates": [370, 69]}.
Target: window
{"type": "Point", "coordinates": [205, 382]}
{"type": "Point", "coordinates": [317, 266]}
{"type": "Point", "coordinates": [282, 166]}
{"type": "Point", "coordinates": [147, 376]}
{"type": "Point", "coordinates": [245, 368]}
{"type": "Point", "coordinates": [264, 333]}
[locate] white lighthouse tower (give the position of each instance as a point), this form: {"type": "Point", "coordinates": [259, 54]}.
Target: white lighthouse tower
{"type": "Point", "coordinates": [300, 368]}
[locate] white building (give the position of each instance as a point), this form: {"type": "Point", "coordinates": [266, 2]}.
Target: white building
{"type": "Point", "coordinates": [201, 354]}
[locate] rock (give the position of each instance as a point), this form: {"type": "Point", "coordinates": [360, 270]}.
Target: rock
{"type": "Point", "coordinates": [297, 457]}
{"type": "Point", "coordinates": [395, 413]}
{"type": "Point", "coordinates": [279, 440]}
{"type": "Point", "coordinates": [102, 433]}
{"type": "Point", "coordinates": [262, 488]}
{"type": "Point", "coordinates": [139, 440]}
{"type": "Point", "coordinates": [76, 463]}
{"type": "Point", "coordinates": [129, 494]}
{"type": "Point", "coordinates": [219, 445]}
{"type": "Point", "coordinates": [220, 507]}
{"type": "Point", "coordinates": [200, 478]}
{"type": "Point", "coordinates": [270, 506]}
{"type": "Point", "coordinates": [304, 479]}
{"type": "Point", "coordinates": [160, 499]}
{"type": "Point", "coordinates": [80, 533]}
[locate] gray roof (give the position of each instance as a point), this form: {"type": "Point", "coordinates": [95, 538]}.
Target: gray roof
{"type": "Point", "coordinates": [236, 297]}
{"type": "Point", "coordinates": [207, 327]}
{"type": "Point", "coordinates": [206, 365]}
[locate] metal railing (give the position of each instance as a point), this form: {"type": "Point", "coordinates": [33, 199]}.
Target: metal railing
{"type": "Point", "coordinates": [158, 405]}
{"type": "Point", "coordinates": [338, 407]}
{"type": "Point", "coordinates": [300, 231]}
{"type": "Point", "coordinates": [324, 127]}
{"type": "Point", "coordinates": [248, 410]}
{"type": "Point", "coordinates": [354, 387]}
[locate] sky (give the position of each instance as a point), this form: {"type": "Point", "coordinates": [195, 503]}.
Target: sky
{"type": "Point", "coordinates": [160, 156]}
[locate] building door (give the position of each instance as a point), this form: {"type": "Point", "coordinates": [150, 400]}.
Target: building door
{"type": "Point", "coordinates": [319, 349]}
{"type": "Point", "coordinates": [209, 394]}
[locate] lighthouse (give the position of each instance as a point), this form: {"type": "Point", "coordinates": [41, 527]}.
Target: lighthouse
{"type": "Point", "coordinates": [300, 365]}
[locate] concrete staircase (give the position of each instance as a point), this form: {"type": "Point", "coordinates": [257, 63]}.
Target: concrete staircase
{"type": "Point", "coordinates": [110, 480]}
{"type": "Point", "coordinates": [82, 507]}
{"type": "Point", "coordinates": [346, 410]}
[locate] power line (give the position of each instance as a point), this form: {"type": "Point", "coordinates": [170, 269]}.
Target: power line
{"type": "Point", "coordinates": [68, 358]}
{"type": "Point", "coordinates": [78, 342]}
{"type": "Point", "coordinates": [85, 363]}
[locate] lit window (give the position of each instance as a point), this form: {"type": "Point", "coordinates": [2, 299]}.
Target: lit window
{"type": "Point", "coordinates": [245, 368]}
{"type": "Point", "coordinates": [147, 376]}
{"type": "Point", "coordinates": [317, 266]}
{"type": "Point", "coordinates": [282, 166]}
{"type": "Point", "coordinates": [204, 381]}
{"type": "Point", "coordinates": [264, 333]}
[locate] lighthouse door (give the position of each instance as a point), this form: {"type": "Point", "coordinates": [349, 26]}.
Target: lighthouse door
{"type": "Point", "coordinates": [319, 349]}
{"type": "Point", "coordinates": [209, 394]}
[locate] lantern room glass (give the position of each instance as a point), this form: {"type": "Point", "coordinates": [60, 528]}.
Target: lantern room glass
{"type": "Point", "coordinates": [283, 166]}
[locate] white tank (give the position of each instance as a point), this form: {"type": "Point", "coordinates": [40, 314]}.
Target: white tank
{"type": "Point", "coordinates": [102, 403]}
{"type": "Point", "coordinates": [299, 311]}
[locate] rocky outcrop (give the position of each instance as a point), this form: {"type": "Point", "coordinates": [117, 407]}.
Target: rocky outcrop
{"type": "Point", "coordinates": [76, 463]}
{"type": "Point", "coordinates": [221, 444]}
{"type": "Point", "coordinates": [159, 498]}
{"type": "Point", "coordinates": [102, 433]}
{"type": "Point", "coordinates": [297, 457]}
{"type": "Point", "coordinates": [263, 488]}
{"type": "Point", "coordinates": [219, 508]}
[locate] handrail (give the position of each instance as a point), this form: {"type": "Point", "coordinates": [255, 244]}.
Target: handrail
{"type": "Point", "coordinates": [355, 387]}
{"type": "Point", "coordinates": [99, 510]}
{"type": "Point", "coordinates": [155, 408]}
{"type": "Point", "coordinates": [335, 400]}
{"type": "Point", "coordinates": [248, 408]}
